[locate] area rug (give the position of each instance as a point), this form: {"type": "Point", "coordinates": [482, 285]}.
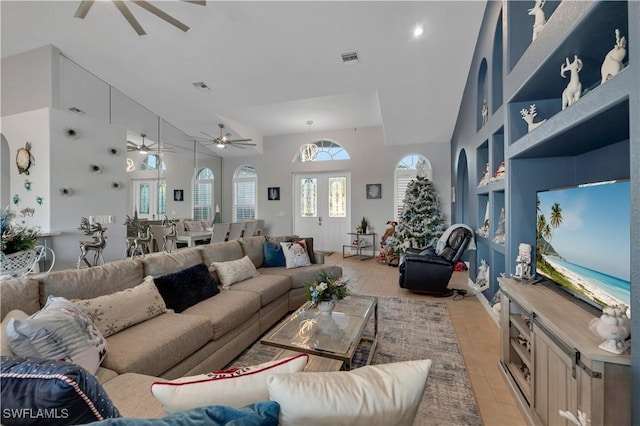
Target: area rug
{"type": "Point", "coordinates": [410, 329]}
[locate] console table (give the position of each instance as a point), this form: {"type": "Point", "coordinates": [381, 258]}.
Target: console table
{"type": "Point", "coordinates": [365, 242]}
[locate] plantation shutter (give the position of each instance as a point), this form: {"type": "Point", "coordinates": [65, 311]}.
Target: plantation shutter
{"type": "Point", "coordinates": [402, 179]}
{"type": "Point", "coordinates": [245, 200]}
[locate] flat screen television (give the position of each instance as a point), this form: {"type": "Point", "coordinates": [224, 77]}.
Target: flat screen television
{"type": "Point", "coordinates": [583, 241]}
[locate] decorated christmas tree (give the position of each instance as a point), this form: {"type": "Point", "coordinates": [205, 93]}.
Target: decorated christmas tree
{"type": "Point", "coordinates": [420, 223]}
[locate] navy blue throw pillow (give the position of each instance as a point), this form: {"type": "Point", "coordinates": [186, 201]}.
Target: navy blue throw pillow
{"type": "Point", "coordinates": [183, 289]}
{"type": "Point", "coordinates": [38, 391]}
{"type": "Point", "coordinates": [273, 255]}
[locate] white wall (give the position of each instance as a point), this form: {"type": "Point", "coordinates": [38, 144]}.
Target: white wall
{"type": "Point", "coordinates": [371, 162]}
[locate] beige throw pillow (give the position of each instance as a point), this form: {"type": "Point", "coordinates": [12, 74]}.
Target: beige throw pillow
{"type": "Point", "coordinates": [235, 271]}
{"type": "Point", "coordinates": [386, 394]}
{"type": "Point", "coordinates": [115, 312]}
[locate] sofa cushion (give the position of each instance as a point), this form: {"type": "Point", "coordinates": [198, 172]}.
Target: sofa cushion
{"type": "Point", "coordinates": [268, 287]}
{"type": "Point", "coordinates": [253, 247]}
{"type": "Point", "coordinates": [234, 387]}
{"type": "Point", "coordinates": [235, 271]}
{"type": "Point", "coordinates": [300, 276]}
{"type": "Point", "coordinates": [117, 311]}
{"type": "Point", "coordinates": [167, 263]}
{"type": "Point", "coordinates": [387, 394]}
{"type": "Point", "coordinates": [295, 254]}
{"type": "Point", "coordinates": [5, 346]}
{"type": "Point", "coordinates": [22, 294]}
{"type": "Point", "coordinates": [226, 311]}
{"type": "Point", "coordinates": [92, 282]}
{"type": "Point", "coordinates": [153, 346]}
{"type": "Point", "coordinates": [264, 413]}
{"type": "Point", "coordinates": [220, 252]}
{"type": "Point", "coordinates": [273, 254]}
{"type": "Point", "coordinates": [185, 288]}
{"type": "Point", "coordinates": [131, 393]}
{"type": "Point", "coordinates": [65, 391]}
{"type": "Point", "coordinates": [59, 331]}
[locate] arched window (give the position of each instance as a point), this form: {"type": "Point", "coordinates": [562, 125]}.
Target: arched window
{"type": "Point", "coordinates": [203, 195]}
{"type": "Point", "coordinates": [245, 183]}
{"type": "Point", "coordinates": [152, 162]}
{"type": "Point", "coordinates": [321, 150]}
{"type": "Point", "coordinates": [405, 172]}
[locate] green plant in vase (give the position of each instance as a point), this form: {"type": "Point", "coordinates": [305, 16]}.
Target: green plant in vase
{"type": "Point", "coordinates": [364, 225]}
{"type": "Point", "coordinates": [16, 238]}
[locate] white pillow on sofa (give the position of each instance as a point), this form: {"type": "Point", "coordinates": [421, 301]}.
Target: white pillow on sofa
{"type": "Point", "coordinates": [295, 254]}
{"type": "Point", "coordinates": [59, 331]}
{"type": "Point", "coordinates": [235, 387]}
{"type": "Point", "coordinates": [5, 347]}
{"type": "Point", "coordinates": [386, 394]}
{"type": "Point", "coordinates": [235, 271]}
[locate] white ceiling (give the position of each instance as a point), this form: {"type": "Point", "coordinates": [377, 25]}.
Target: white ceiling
{"type": "Point", "coordinates": [272, 66]}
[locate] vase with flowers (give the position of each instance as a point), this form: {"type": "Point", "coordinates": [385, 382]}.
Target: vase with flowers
{"type": "Point", "coordinates": [325, 290]}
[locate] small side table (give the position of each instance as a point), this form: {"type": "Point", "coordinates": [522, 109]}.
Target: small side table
{"type": "Point", "coordinates": [365, 242]}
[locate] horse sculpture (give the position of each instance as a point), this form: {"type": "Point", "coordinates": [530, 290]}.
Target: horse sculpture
{"type": "Point", "coordinates": [96, 245]}
{"type": "Point", "coordinates": [170, 239]}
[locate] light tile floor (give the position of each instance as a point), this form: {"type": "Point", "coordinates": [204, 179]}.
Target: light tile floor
{"type": "Point", "coordinates": [477, 333]}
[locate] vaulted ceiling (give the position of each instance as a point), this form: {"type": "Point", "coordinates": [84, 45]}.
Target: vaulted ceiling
{"type": "Point", "coordinates": [271, 67]}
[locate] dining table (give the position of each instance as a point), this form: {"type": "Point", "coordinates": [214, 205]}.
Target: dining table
{"type": "Point", "coordinates": [190, 237]}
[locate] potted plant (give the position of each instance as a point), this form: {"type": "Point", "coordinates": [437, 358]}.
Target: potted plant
{"type": "Point", "coordinates": [324, 291]}
{"type": "Point", "coordinates": [364, 225]}
{"type": "Point", "coordinates": [17, 246]}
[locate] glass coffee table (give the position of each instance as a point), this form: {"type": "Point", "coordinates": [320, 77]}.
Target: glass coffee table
{"type": "Point", "coordinates": [335, 337]}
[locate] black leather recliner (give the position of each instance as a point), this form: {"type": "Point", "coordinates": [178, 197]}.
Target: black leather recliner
{"type": "Point", "coordinates": [424, 271]}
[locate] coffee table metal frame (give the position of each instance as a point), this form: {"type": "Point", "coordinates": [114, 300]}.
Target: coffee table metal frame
{"type": "Point", "coordinates": [352, 313]}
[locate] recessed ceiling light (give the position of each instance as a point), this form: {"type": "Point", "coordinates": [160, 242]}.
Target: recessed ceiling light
{"type": "Point", "coordinates": [417, 31]}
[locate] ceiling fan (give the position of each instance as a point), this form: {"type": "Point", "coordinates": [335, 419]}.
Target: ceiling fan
{"type": "Point", "coordinates": [144, 148]}
{"type": "Point", "coordinates": [85, 5]}
{"type": "Point", "coordinates": [223, 140]}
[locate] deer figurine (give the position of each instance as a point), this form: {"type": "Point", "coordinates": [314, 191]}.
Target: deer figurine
{"type": "Point", "coordinates": [571, 94]}
{"type": "Point", "coordinates": [170, 239]}
{"type": "Point", "coordinates": [97, 245]}
{"type": "Point", "coordinates": [529, 115]}
{"type": "Point", "coordinates": [539, 18]}
{"type": "Point", "coordinates": [612, 63]}
{"type": "Point", "coordinates": [142, 242]}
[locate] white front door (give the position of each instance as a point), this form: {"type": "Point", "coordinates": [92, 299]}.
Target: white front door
{"type": "Point", "coordinates": [322, 208]}
{"type": "Point", "coordinates": [150, 198]}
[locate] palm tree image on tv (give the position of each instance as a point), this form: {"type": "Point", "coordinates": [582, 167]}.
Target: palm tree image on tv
{"type": "Point", "coordinates": [583, 241]}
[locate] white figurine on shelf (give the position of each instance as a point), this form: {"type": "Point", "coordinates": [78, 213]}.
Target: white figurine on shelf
{"type": "Point", "coordinates": [499, 238]}
{"type": "Point", "coordinates": [572, 93]}
{"type": "Point", "coordinates": [528, 115]}
{"type": "Point", "coordinates": [523, 267]}
{"type": "Point", "coordinates": [484, 112]}
{"type": "Point", "coordinates": [499, 174]}
{"type": "Point", "coordinates": [485, 178]}
{"type": "Point", "coordinates": [614, 327]}
{"type": "Point", "coordinates": [421, 170]}
{"type": "Point", "coordinates": [612, 63]}
{"type": "Point", "coordinates": [539, 18]}
{"type": "Point", "coordinates": [482, 279]}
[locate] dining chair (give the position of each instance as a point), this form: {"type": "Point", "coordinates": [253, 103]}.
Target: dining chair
{"type": "Point", "coordinates": [219, 232]}
{"type": "Point", "coordinates": [235, 230]}
{"type": "Point", "coordinates": [250, 228]}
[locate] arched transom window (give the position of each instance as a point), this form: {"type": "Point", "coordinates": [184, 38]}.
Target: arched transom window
{"type": "Point", "coordinates": [321, 150]}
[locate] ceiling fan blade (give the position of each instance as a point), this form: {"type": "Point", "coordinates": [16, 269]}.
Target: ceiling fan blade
{"type": "Point", "coordinates": [240, 140]}
{"type": "Point", "coordinates": [129, 17]}
{"type": "Point", "coordinates": [198, 2]}
{"type": "Point", "coordinates": [161, 14]}
{"type": "Point", "coordinates": [83, 9]}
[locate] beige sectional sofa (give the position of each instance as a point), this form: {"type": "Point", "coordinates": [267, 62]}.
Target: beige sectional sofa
{"type": "Point", "coordinates": [204, 337]}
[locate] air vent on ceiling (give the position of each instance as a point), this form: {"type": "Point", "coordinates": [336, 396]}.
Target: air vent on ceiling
{"type": "Point", "coordinates": [201, 85]}
{"type": "Point", "coordinates": [76, 110]}
{"type": "Point", "coordinates": [350, 58]}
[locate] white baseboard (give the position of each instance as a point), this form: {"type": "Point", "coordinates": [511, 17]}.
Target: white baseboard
{"type": "Point", "coordinates": [483, 300]}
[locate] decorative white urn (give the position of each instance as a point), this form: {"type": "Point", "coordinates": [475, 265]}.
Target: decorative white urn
{"type": "Point", "coordinates": [614, 327]}
{"type": "Point", "coordinates": [326, 307]}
